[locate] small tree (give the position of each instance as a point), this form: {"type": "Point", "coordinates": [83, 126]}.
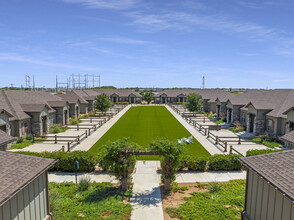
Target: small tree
{"type": "Point", "coordinates": [170, 152]}
{"type": "Point", "coordinates": [148, 96]}
{"type": "Point", "coordinates": [194, 102]}
{"type": "Point", "coordinates": [102, 103]}
{"type": "Point", "coordinates": [119, 159]}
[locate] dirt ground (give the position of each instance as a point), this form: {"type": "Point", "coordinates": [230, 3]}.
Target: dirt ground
{"type": "Point", "coordinates": [173, 200]}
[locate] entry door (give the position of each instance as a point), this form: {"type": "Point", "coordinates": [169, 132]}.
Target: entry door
{"type": "Point", "coordinates": [181, 99]}
{"type": "Point", "coordinates": [114, 99]}
{"type": "Point", "coordinates": [132, 99]}
{"type": "Point", "coordinates": [44, 124]}
{"type": "Point", "coordinates": [163, 99]}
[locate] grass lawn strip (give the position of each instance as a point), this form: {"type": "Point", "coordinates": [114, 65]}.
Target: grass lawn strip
{"type": "Point", "coordinates": [99, 201]}
{"type": "Point", "coordinates": [143, 125]}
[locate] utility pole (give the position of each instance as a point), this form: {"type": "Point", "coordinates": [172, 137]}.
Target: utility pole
{"type": "Point", "coordinates": [34, 82]}
{"type": "Point", "coordinates": [28, 81]}
{"type": "Point", "coordinates": [203, 82]}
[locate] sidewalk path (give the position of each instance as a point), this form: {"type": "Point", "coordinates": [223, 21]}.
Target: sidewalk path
{"type": "Point", "coordinates": [86, 144]}
{"type": "Point", "coordinates": [207, 144]}
{"type": "Point", "coordinates": [211, 176]}
{"type": "Point", "coordinates": [146, 200]}
{"type": "Point", "coordinates": [182, 177]}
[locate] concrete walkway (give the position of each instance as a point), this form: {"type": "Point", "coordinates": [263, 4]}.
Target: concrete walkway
{"type": "Point", "coordinates": [146, 200]}
{"type": "Point", "coordinates": [207, 144]}
{"type": "Point", "coordinates": [86, 144]}
{"type": "Point", "coordinates": [182, 177]}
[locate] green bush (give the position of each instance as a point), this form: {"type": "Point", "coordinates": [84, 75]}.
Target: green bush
{"type": "Point", "coordinates": [259, 152]}
{"type": "Point", "coordinates": [57, 129]}
{"type": "Point", "coordinates": [87, 161]}
{"type": "Point", "coordinates": [214, 187]}
{"type": "Point", "coordinates": [84, 183]}
{"type": "Point", "coordinates": [219, 122]}
{"type": "Point", "coordinates": [19, 140]}
{"type": "Point", "coordinates": [197, 163]}
{"type": "Point", "coordinates": [84, 116]}
{"type": "Point", "coordinates": [214, 162]}
{"type": "Point", "coordinates": [224, 162]}
{"type": "Point", "coordinates": [120, 103]}
{"type": "Point", "coordinates": [74, 121]}
{"type": "Point", "coordinates": [29, 137]}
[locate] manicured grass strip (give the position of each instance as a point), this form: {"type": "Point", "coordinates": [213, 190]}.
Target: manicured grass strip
{"type": "Point", "coordinates": [99, 201]}
{"type": "Point", "coordinates": [224, 201]}
{"type": "Point", "coordinates": [143, 124]}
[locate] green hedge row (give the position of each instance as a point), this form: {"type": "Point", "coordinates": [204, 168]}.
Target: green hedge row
{"type": "Point", "coordinates": [87, 161]}
{"type": "Point", "coordinates": [259, 152]}
{"type": "Point", "coordinates": [214, 162]}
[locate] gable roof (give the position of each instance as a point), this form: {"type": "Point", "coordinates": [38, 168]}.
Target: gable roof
{"type": "Point", "coordinates": [289, 137]}
{"type": "Point", "coordinates": [5, 138]}
{"type": "Point", "coordinates": [119, 92]}
{"type": "Point", "coordinates": [275, 168]}
{"type": "Point", "coordinates": [17, 171]}
{"type": "Point", "coordinates": [276, 101]}
{"type": "Point", "coordinates": [207, 94]}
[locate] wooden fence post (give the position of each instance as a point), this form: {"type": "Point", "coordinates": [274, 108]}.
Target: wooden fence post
{"type": "Point", "coordinates": [86, 133]}
{"type": "Point", "coordinates": [55, 139]}
{"type": "Point", "coordinates": [231, 149]}
{"type": "Point", "coordinates": [89, 131]}
{"type": "Point", "coordinates": [208, 133]}
{"type": "Point", "coordinates": [78, 139]}
{"type": "Point", "coordinates": [216, 140]}
{"type": "Point", "coordinates": [239, 140]}
{"type": "Point", "coordinates": [91, 119]}
{"type": "Point", "coordinates": [68, 147]}
{"type": "Point", "coordinates": [226, 146]}
{"type": "Point", "coordinates": [78, 127]}
{"type": "Point", "coordinates": [205, 129]}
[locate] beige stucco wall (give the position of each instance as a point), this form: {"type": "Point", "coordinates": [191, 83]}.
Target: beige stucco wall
{"type": "Point", "coordinates": [264, 202]}
{"type": "Point", "coordinates": [29, 203]}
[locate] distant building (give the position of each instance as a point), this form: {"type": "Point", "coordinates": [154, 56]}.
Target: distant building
{"type": "Point", "coordinates": [24, 187]}
{"type": "Point", "coordinates": [269, 186]}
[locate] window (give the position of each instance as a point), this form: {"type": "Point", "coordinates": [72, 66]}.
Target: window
{"type": "Point", "coordinates": [243, 117]}
{"type": "Point", "coordinates": [270, 124]}
{"type": "Point", "coordinates": [25, 124]}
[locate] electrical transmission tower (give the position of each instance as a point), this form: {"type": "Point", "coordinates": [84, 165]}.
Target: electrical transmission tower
{"type": "Point", "coordinates": [28, 81]}
{"type": "Point", "coordinates": [61, 85]}
{"type": "Point", "coordinates": [84, 81]}
{"type": "Point", "coordinates": [203, 82]}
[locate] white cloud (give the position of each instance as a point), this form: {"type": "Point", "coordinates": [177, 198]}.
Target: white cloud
{"type": "Point", "coordinates": [124, 40]}
{"type": "Point", "coordinates": [105, 4]}
{"type": "Point", "coordinates": [187, 21]}
{"type": "Point", "coordinates": [23, 59]}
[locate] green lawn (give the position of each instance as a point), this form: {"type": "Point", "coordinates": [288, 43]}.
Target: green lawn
{"type": "Point", "coordinates": [143, 124]}
{"type": "Point", "coordinates": [99, 201]}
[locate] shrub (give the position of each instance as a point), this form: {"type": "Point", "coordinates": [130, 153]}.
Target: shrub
{"type": "Point", "coordinates": [236, 127]}
{"type": "Point", "coordinates": [29, 137]}
{"type": "Point", "coordinates": [259, 152]}
{"type": "Point", "coordinates": [74, 121]}
{"type": "Point", "coordinates": [197, 163]}
{"type": "Point", "coordinates": [57, 129]}
{"type": "Point", "coordinates": [214, 187]}
{"type": "Point", "coordinates": [87, 161]}
{"type": "Point", "coordinates": [219, 121]}
{"type": "Point", "coordinates": [176, 188]}
{"type": "Point", "coordinates": [224, 162]}
{"type": "Point", "coordinates": [19, 140]}
{"type": "Point", "coordinates": [84, 116]}
{"type": "Point", "coordinates": [84, 183]}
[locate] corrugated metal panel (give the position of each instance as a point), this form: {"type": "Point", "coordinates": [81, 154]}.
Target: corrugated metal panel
{"type": "Point", "coordinates": [32, 201]}
{"type": "Point", "coordinates": [13, 208]}
{"type": "Point", "coordinates": [37, 199]}
{"type": "Point", "coordinates": [249, 193]}
{"type": "Point", "coordinates": [264, 206]}
{"type": "Point", "coordinates": [1, 213]}
{"type": "Point", "coordinates": [254, 195]}
{"type": "Point", "coordinates": [42, 197]}
{"type": "Point", "coordinates": [26, 200]}
{"type": "Point", "coordinates": [286, 209]}
{"type": "Point", "coordinates": [271, 203]}
{"type": "Point", "coordinates": [20, 205]}
{"type": "Point", "coordinates": [278, 205]}
{"type": "Point", "coordinates": [6, 211]}
{"type": "Point", "coordinates": [259, 197]}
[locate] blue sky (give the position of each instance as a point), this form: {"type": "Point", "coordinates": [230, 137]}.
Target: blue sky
{"type": "Point", "coordinates": [166, 43]}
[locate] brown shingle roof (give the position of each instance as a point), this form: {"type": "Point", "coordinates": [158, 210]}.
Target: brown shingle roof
{"type": "Point", "coordinates": [276, 168]}
{"type": "Point", "coordinates": [207, 94]}
{"type": "Point", "coordinates": [289, 137]}
{"type": "Point", "coordinates": [5, 138]}
{"type": "Point", "coordinates": [17, 171]}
